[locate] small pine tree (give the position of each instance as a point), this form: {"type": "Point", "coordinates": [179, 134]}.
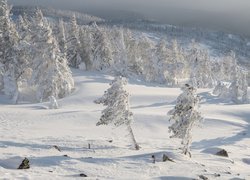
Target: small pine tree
{"type": "Point", "coordinates": [117, 112]}
{"type": "Point", "coordinates": [185, 115]}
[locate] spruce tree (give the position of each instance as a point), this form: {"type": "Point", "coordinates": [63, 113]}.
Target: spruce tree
{"type": "Point", "coordinates": [73, 44]}
{"type": "Point", "coordinates": [102, 56]}
{"type": "Point", "coordinates": [117, 112]}
{"type": "Point", "coordinates": [51, 75]}
{"type": "Point", "coordinates": [10, 64]}
{"type": "Point", "coordinates": [185, 115]}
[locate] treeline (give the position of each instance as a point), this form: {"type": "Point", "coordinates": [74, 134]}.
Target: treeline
{"type": "Point", "coordinates": [35, 54]}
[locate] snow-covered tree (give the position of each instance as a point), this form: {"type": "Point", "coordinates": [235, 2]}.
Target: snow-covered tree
{"type": "Point", "coordinates": [87, 48]}
{"type": "Point", "coordinates": [149, 64]}
{"type": "Point", "coordinates": [201, 71]}
{"type": "Point", "coordinates": [62, 38]}
{"type": "Point", "coordinates": [134, 59]}
{"type": "Point", "coordinates": [227, 67]}
{"type": "Point", "coordinates": [176, 65]}
{"type": "Point", "coordinates": [103, 58]}
{"type": "Point", "coordinates": [51, 74]}
{"type": "Point", "coordinates": [23, 25]}
{"type": "Point", "coordinates": [222, 90]}
{"type": "Point", "coordinates": [117, 37]}
{"type": "Point", "coordinates": [10, 64]}
{"type": "Point", "coordinates": [162, 54]}
{"type": "Point", "coordinates": [26, 52]}
{"type": "Point", "coordinates": [233, 85]}
{"type": "Point", "coordinates": [73, 44]}
{"type": "Point", "coordinates": [239, 85]}
{"type": "Point", "coordinates": [185, 115]}
{"type": "Point", "coordinates": [117, 112]}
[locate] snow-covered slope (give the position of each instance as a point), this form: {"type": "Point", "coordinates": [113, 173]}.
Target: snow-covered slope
{"type": "Point", "coordinates": [31, 130]}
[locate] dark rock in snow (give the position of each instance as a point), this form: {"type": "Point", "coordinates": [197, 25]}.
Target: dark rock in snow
{"type": "Point", "coordinates": [57, 148]}
{"type": "Point", "coordinates": [153, 157]}
{"type": "Point", "coordinates": [83, 175]}
{"type": "Point", "coordinates": [203, 177]}
{"type": "Point", "coordinates": [222, 152]}
{"type": "Point", "coordinates": [216, 175]}
{"type": "Point", "coordinates": [24, 164]}
{"type": "Point", "coordinates": [166, 158]}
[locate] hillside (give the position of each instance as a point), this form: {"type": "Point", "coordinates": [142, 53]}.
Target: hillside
{"type": "Point", "coordinates": [31, 130]}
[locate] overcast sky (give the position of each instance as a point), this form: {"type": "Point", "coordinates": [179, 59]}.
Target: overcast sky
{"type": "Point", "coordinates": [231, 15]}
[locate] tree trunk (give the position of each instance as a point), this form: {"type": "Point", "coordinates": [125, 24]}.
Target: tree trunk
{"type": "Point", "coordinates": [131, 134]}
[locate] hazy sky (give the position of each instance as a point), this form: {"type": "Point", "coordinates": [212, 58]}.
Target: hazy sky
{"type": "Point", "coordinates": [231, 15]}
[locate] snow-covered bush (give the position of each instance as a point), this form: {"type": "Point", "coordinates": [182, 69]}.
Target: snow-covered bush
{"type": "Point", "coordinates": [236, 90]}
{"type": "Point", "coordinates": [53, 103]}
{"type": "Point", "coordinates": [117, 112]}
{"type": "Point", "coordinates": [239, 86]}
{"type": "Point", "coordinates": [185, 115]}
{"type": "Point", "coordinates": [222, 90]}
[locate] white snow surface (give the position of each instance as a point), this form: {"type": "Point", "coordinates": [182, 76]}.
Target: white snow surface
{"type": "Point", "coordinates": [31, 130]}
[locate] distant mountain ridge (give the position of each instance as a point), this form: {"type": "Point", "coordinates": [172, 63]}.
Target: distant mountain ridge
{"type": "Point", "coordinates": [82, 18]}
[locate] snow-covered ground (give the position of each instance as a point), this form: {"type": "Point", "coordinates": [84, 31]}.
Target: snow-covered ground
{"type": "Point", "coordinates": [31, 130]}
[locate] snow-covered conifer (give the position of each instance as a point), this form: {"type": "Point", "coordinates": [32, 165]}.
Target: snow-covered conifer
{"type": "Point", "coordinates": [117, 112]}
{"type": "Point", "coordinates": [11, 66]}
{"type": "Point", "coordinates": [51, 74]}
{"type": "Point", "coordinates": [62, 38]}
{"type": "Point", "coordinates": [177, 65]}
{"type": "Point", "coordinates": [73, 44]}
{"type": "Point", "coordinates": [201, 71]}
{"type": "Point", "coordinates": [134, 59]}
{"type": "Point", "coordinates": [185, 115]}
{"type": "Point", "coordinates": [149, 64]}
{"type": "Point", "coordinates": [103, 57]}
{"type": "Point", "coordinates": [162, 54]}
{"type": "Point", "coordinates": [239, 86]}
{"type": "Point", "coordinates": [119, 51]}
{"type": "Point", "coordinates": [87, 48]}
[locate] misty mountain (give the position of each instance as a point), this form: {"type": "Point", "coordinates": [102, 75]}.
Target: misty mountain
{"type": "Point", "coordinates": [226, 15]}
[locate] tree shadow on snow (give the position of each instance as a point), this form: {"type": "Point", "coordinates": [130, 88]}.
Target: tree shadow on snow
{"type": "Point", "coordinates": [48, 147]}
{"type": "Point", "coordinates": [244, 134]}
{"type": "Point", "coordinates": [48, 161]}
{"type": "Point", "coordinates": [153, 105]}
{"type": "Point", "coordinates": [173, 178]}
{"type": "Point", "coordinates": [246, 161]}
{"type": "Point", "coordinates": [22, 145]}
{"type": "Point", "coordinates": [208, 98]}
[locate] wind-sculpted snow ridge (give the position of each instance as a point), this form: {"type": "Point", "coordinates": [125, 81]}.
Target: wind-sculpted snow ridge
{"type": "Point", "coordinates": [36, 132]}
